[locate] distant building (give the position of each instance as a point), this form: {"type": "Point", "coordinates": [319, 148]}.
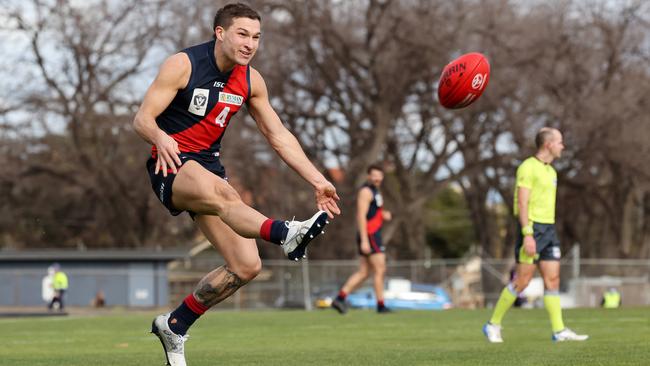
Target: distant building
{"type": "Point", "coordinates": [128, 278]}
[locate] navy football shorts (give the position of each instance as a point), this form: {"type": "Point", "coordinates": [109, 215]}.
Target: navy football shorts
{"type": "Point", "coordinates": [162, 186]}
{"type": "Point", "coordinates": [376, 244]}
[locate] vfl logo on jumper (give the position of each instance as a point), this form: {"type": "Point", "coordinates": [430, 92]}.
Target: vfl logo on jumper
{"type": "Point", "coordinates": [230, 98]}
{"type": "Point", "coordinates": [199, 102]}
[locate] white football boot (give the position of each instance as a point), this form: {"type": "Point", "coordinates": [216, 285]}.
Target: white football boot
{"type": "Point", "coordinates": [173, 344]}
{"type": "Point", "coordinates": [301, 233]}
{"type": "Point", "coordinates": [492, 332]}
{"type": "Point", "coordinates": [567, 334]}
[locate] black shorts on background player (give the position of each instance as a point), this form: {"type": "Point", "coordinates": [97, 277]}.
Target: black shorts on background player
{"type": "Point", "coordinates": [375, 241]}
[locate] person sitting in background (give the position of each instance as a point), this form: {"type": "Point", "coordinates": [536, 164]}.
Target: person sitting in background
{"type": "Point", "coordinates": [99, 301]}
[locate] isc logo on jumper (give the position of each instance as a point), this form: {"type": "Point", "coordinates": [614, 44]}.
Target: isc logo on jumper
{"type": "Point", "coordinates": [199, 102]}
{"type": "Point", "coordinates": [230, 98]}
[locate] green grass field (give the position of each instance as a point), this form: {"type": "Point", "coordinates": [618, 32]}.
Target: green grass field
{"type": "Point", "coordinates": [618, 337]}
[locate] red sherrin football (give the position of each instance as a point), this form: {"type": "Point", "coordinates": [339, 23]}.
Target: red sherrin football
{"type": "Point", "coordinates": [463, 80]}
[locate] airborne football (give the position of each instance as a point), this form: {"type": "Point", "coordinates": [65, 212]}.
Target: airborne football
{"type": "Point", "coordinates": [463, 80]}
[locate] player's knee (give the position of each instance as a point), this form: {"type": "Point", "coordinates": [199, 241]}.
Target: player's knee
{"type": "Point", "coordinates": [380, 271]}
{"type": "Point", "coordinates": [521, 283]}
{"type": "Point", "coordinates": [552, 282]}
{"type": "Point", "coordinates": [224, 197]}
{"type": "Point", "coordinates": [248, 270]}
{"type": "Point", "coordinates": [363, 273]}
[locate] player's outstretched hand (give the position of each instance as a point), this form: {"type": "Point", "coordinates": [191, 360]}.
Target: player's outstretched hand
{"type": "Point", "coordinates": [168, 151]}
{"type": "Point", "coordinates": [326, 198]}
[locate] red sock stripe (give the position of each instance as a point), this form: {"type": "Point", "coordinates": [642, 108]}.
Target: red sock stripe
{"type": "Point", "coordinates": [380, 303]}
{"type": "Point", "coordinates": [194, 305]}
{"type": "Point", "coordinates": [265, 230]}
{"type": "Point", "coordinates": [342, 294]}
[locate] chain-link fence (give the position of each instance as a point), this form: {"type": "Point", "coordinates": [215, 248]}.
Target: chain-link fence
{"type": "Point", "coordinates": [471, 282]}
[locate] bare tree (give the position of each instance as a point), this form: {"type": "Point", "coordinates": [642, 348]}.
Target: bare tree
{"type": "Point", "coordinates": [356, 82]}
{"type": "Point", "coordinates": [74, 181]}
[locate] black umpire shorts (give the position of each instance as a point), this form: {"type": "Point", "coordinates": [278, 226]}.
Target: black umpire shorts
{"type": "Point", "coordinates": [547, 248]}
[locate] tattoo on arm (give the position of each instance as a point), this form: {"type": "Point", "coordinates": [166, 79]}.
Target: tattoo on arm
{"type": "Point", "coordinates": [217, 285]}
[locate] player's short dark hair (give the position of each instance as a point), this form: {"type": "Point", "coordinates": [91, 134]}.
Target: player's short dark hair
{"type": "Point", "coordinates": [374, 167]}
{"type": "Point", "coordinates": [224, 17]}
{"type": "Point", "coordinates": [543, 135]}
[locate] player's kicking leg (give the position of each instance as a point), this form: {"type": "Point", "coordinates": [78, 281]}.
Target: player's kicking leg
{"type": "Point", "coordinates": [300, 233]}
{"type": "Point", "coordinates": [197, 190]}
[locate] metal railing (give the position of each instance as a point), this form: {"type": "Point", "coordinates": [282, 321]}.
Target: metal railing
{"type": "Point", "coordinates": [471, 282]}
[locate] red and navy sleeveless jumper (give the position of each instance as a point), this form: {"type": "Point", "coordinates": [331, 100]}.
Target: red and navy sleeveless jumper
{"type": "Point", "coordinates": [375, 221]}
{"type": "Point", "coordinates": [199, 114]}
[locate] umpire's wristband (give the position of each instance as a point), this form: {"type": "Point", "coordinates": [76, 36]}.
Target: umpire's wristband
{"type": "Point", "coordinates": [527, 230]}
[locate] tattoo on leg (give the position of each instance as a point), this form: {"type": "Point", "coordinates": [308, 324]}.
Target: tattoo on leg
{"type": "Point", "coordinates": [217, 285]}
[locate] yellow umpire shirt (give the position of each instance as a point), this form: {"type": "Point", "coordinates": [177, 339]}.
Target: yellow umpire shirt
{"type": "Point", "coordinates": [541, 179]}
{"type": "Point", "coordinates": [60, 281]}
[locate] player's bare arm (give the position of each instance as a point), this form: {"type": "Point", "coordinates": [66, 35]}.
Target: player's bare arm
{"type": "Point", "coordinates": [364, 198]}
{"type": "Point", "coordinates": [287, 147]}
{"type": "Point", "coordinates": [523, 195]}
{"type": "Point", "coordinates": [174, 75]}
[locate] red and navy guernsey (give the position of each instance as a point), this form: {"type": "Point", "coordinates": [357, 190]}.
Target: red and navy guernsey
{"type": "Point", "coordinates": [374, 217]}
{"type": "Point", "coordinates": [199, 114]}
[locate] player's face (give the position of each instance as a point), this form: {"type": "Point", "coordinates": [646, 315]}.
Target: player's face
{"type": "Point", "coordinates": [241, 39]}
{"type": "Point", "coordinates": [375, 177]}
{"type": "Point", "coordinates": [556, 145]}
